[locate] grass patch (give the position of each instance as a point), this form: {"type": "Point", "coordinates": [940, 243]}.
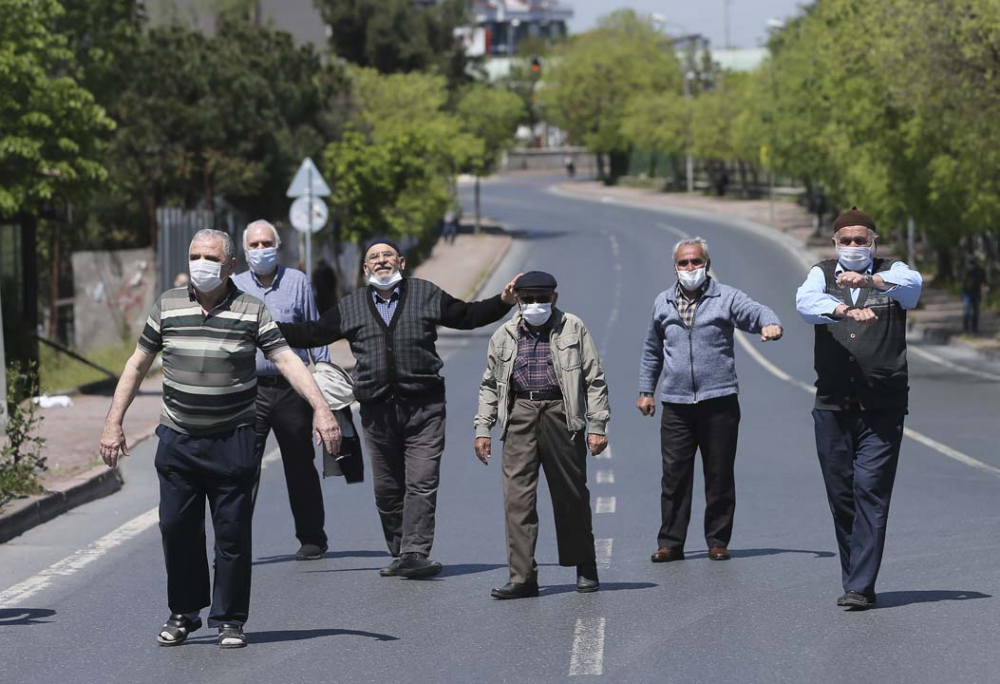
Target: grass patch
{"type": "Point", "coordinates": [60, 372]}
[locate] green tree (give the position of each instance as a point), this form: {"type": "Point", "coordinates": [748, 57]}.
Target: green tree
{"type": "Point", "coordinates": [490, 115]}
{"type": "Point", "coordinates": [593, 74]}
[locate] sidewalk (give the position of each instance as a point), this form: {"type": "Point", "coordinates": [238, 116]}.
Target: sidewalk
{"type": "Point", "coordinates": [938, 319]}
{"type": "Point", "coordinates": [76, 473]}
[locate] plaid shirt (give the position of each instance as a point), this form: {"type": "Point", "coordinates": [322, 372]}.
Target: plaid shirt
{"type": "Point", "coordinates": [386, 309]}
{"type": "Point", "coordinates": [533, 369]}
{"type": "Point", "coordinates": [687, 304]}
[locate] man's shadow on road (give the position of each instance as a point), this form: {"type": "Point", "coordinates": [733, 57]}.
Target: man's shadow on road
{"type": "Point", "coordinates": [278, 636]}
{"type": "Point", "coordinates": [895, 599]}
{"type": "Point", "coordinates": [286, 558]}
{"type": "Point", "coordinates": [25, 616]}
{"type": "Point", "coordinates": [754, 553]}
{"type": "Point", "coordinates": [605, 586]}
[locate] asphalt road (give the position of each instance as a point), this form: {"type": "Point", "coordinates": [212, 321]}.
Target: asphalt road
{"type": "Point", "coordinates": [81, 598]}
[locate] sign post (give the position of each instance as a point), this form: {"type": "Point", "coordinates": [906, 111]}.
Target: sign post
{"type": "Point", "coordinates": [3, 378]}
{"type": "Point", "coordinates": [308, 213]}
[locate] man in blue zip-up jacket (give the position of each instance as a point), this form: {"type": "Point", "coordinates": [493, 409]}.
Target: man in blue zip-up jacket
{"type": "Point", "coordinates": [690, 342]}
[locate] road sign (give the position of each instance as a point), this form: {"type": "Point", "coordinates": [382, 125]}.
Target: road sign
{"type": "Point", "coordinates": [308, 181]}
{"type": "Point", "coordinates": [308, 214]}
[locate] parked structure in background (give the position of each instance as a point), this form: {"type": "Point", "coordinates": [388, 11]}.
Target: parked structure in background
{"type": "Point", "coordinates": [507, 22]}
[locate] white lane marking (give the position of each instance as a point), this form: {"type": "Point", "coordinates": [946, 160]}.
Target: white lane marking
{"type": "Point", "coordinates": [602, 552]}
{"type": "Point", "coordinates": [606, 504]}
{"type": "Point", "coordinates": [617, 295]}
{"type": "Point", "coordinates": [587, 657]}
{"type": "Point", "coordinates": [676, 231]}
{"type": "Point", "coordinates": [937, 446]}
{"type": "Point", "coordinates": [924, 354]}
{"type": "Point", "coordinates": [604, 455]}
{"type": "Point", "coordinates": [82, 558]}
{"type": "Point", "coordinates": [605, 477]}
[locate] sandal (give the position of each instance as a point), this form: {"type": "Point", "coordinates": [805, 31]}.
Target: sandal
{"type": "Point", "coordinates": [231, 636]}
{"type": "Point", "coordinates": [176, 630]}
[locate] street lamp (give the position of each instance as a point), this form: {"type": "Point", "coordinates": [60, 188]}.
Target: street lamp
{"type": "Point", "coordinates": [688, 77]}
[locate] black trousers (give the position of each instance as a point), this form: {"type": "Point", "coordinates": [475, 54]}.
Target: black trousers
{"type": "Point", "coordinates": [223, 469]}
{"type": "Point", "coordinates": [280, 408]}
{"type": "Point", "coordinates": [858, 454]}
{"type": "Point", "coordinates": [405, 437]}
{"type": "Point", "coordinates": [711, 426]}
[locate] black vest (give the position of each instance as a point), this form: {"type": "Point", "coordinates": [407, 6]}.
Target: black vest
{"type": "Point", "coordinates": [401, 357]}
{"type": "Point", "coordinates": [862, 365]}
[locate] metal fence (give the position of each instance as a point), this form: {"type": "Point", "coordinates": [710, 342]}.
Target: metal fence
{"type": "Point", "coordinates": [177, 227]}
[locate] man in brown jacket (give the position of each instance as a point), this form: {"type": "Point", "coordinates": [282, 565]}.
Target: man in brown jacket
{"type": "Point", "coordinates": [544, 382]}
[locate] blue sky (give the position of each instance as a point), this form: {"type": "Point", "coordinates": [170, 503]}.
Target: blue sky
{"type": "Point", "coordinates": [747, 18]}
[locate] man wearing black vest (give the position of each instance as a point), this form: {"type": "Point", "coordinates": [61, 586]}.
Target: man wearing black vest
{"type": "Point", "coordinates": [858, 304]}
{"type": "Point", "coordinates": [392, 326]}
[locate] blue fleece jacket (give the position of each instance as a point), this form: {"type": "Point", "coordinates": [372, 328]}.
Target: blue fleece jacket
{"type": "Point", "coordinates": [698, 363]}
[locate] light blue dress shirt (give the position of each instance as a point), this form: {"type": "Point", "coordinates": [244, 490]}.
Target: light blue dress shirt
{"type": "Point", "coordinates": [290, 299]}
{"type": "Point", "coordinates": [815, 304]}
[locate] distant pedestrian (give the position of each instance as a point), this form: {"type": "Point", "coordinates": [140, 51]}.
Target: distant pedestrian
{"type": "Point", "coordinates": [544, 382]}
{"type": "Point", "coordinates": [857, 303]}
{"type": "Point", "coordinates": [690, 342]}
{"type": "Point", "coordinates": [324, 286]}
{"type": "Point", "coordinates": [450, 226]}
{"type": "Point", "coordinates": [392, 327]}
{"type": "Point", "coordinates": [208, 333]}
{"type": "Point", "coordinates": [570, 165]}
{"type": "Point", "coordinates": [972, 294]}
{"type": "Point", "coordinates": [289, 299]}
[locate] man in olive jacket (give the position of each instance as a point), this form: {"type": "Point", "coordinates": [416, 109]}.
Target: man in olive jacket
{"type": "Point", "coordinates": [544, 382]}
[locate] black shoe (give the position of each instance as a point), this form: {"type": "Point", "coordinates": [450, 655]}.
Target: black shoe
{"type": "Point", "coordinates": [856, 601]}
{"type": "Point", "coordinates": [177, 628]}
{"type": "Point", "coordinates": [415, 566]}
{"type": "Point", "coordinates": [586, 578]}
{"type": "Point", "coordinates": [311, 552]}
{"type": "Point", "coordinates": [515, 590]}
{"type": "Point", "coordinates": [391, 569]}
{"type": "Point", "coordinates": [231, 636]}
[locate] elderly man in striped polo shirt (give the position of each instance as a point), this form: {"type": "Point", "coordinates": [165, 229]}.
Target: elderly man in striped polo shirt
{"type": "Point", "coordinates": [209, 333]}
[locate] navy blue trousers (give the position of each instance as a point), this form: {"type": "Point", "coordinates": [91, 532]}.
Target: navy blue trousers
{"type": "Point", "coordinates": [858, 454]}
{"type": "Point", "coordinates": [222, 469]}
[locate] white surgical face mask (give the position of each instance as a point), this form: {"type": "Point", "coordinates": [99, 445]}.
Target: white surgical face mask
{"type": "Point", "coordinates": [263, 261]}
{"type": "Point", "coordinates": [205, 275]}
{"type": "Point", "coordinates": [692, 280]}
{"type": "Point", "coordinates": [854, 258]}
{"type": "Point", "coordinates": [536, 314]}
{"type": "Point", "coordinates": [386, 282]}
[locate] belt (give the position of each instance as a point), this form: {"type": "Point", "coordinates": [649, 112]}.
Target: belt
{"type": "Point", "coordinates": [272, 380]}
{"type": "Point", "coordinates": [538, 395]}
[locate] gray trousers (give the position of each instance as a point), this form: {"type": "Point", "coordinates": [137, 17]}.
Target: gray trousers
{"type": "Point", "coordinates": [537, 436]}
{"type": "Point", "coordinates": [405, 438]}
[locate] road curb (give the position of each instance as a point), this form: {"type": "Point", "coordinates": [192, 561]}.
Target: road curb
{"type": "Point", "coordinates": [94, 484]}
{"type": "Point", "coordinates": [485, 274]}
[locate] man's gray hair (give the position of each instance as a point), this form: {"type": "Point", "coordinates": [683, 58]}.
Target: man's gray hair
{"type": "Point", "coordinates": [871, 233]}
{"type": "Point", "coordinates": [228, 248]}
{"type": "Point", "coordinates": [701, 242]}
{"type": "Point", "coordinates": [261, 223]}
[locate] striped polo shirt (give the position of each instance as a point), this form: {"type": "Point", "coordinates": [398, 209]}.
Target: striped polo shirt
{"type": "Point", "coordinates": [209, 361]}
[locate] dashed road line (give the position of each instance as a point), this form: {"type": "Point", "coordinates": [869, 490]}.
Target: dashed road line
{"type": "Point", "coordinates": [602, 552]}
{"type": "Point", "coordinates": [587, 657]}
{"type": "Point", "coordinates": [606, 504]}
{"type": "Point", "coordinates": [605, 477]}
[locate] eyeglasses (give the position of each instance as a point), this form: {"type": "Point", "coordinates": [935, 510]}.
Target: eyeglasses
{"type": "Point", "coordinates": [859, 240]}
{"type": "Point", "coordinates": [376, 257]}
{"type": "Point", "coordinates": [694, 262]}
{"type": "Point", "coordinates": [536, 299]}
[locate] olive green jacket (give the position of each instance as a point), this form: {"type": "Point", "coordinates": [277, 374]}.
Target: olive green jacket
{"type": "Point", "coordinates": [578, 370]}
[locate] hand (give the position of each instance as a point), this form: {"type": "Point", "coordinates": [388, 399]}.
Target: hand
{"type": "Point", "coordinates": [852, 279]}
{"type": "Point", "coordinates": [597, 443]}
{"type": "Point", "coordinates": [508, 291]}
{"type": "Point", "coordinates": [646, 405]}
{"type": "Point", "coordinates": [327, 431]}
{"type": "Point", "coordinates": [771, 332]}
{"type": "Point", "coordinates": [483, 450]}
{"type": "Point", "coordinates": [113, 444]}
{"type": "Point", "coordinates": [862, 316]}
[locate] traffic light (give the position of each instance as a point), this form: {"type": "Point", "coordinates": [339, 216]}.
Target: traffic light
{"type": "Point", "coordinates": [536, 66]}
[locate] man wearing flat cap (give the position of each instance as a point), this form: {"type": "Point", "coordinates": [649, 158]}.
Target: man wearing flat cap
{"type": "Point", "coordinates": [392, 326]}
{"type": "Point", "coordinates": [544, 383]}
{"type": "Point", "coordinates": [857, 303]}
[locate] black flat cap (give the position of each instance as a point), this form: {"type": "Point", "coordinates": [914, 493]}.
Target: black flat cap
{"type": "Point", "coordinates": [535, 280]}
{"type": "Point", "coordinates": [381, 241]}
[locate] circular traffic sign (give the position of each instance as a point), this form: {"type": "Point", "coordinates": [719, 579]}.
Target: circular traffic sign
{"type": "Point", "coordinates": [303, 209]}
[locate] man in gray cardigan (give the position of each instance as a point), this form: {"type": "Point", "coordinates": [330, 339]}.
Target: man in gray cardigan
{"type": "Point", "coordinates": [690, 341]}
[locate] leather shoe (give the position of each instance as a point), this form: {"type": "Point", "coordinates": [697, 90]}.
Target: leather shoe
{"type": "Point", "coordinates": [310, 552]}
{"type": "Point", "coordinates": [515, 590]}
{"type": "Point", "coordinates": [718, 553]}
{"type": "Point", "coordinates": [416, 566]}
{"type": "Point", "coordinates": [856, 601]}
{"type": "Point", "coordinates": [586, 578]}
{"type": "Point", "coordinates": [391, 569]}
{"type": "Point", "coordinates": [665, 555]}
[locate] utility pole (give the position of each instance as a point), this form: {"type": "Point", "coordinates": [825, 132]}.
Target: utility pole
{"type": "Point", "coordinates": [689, 163]}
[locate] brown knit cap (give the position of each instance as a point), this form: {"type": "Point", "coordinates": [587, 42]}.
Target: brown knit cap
{"type": "Point", "coordinates": [854, 217]}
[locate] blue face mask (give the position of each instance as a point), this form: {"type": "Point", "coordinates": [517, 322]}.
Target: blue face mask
{"type": "Point", "coordinates": [263, 261]}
